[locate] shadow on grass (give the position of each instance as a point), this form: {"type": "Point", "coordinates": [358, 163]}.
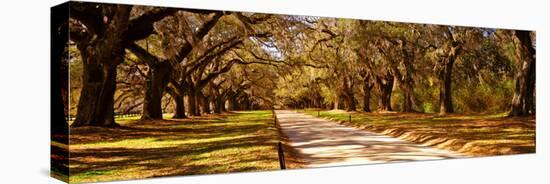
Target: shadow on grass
{"type": "Point", "coordinates": [243, 141]}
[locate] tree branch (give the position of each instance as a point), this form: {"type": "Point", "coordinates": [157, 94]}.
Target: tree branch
{"type": "Point", "coordinates": [88, 15]}
{"type": "Point", "coordinates": [141, 27]}
{"type": "Point", "coordinates": [141, 53]}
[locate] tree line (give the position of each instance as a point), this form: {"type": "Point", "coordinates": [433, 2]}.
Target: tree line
{"type": "Point", "coordinates": [412, 68]}
{"type": "Point", "coordinates": [153, 60]}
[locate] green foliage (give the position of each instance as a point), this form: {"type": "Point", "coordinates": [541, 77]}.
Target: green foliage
{"type": "Point", "coordinates": [484, 98]}
{"type": "Point", "coordinates": [428, 107]}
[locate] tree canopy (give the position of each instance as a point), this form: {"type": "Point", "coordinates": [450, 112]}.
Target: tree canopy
{"type": "Point", "coordinates": [153, 60]}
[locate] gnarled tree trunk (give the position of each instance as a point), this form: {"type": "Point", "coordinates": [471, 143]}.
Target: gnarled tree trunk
{"type": "Point", "coordinates": [192, 103]}
{"type": "Point", "coordinates": [178, 96]}
{"type": "Point", "coordinates": [367, 87]}
{"type": "Point", "coordinates": [100, 59]}
{"type": "Point", "coordinates": [385, 88]}
{"type": "Point", "coordinates": [96, 103]}
{"type": "Point", "coordinates": [408, 97]}
{"type": "Point", "coordinates": [179, 112]}
{"type": "Point", "coordinates": [445, 91]}
{"type": "Point", "coordinates": [348, 94]}
{"type": "Point", "coordinates": [219, 105]}
{"type": "Point", "coordinates": [523, 99]}
{"type": "Point", "coordinates": [445, 78]}
{"type": "Point", "coordinates": [59, 73]}
{"type": "Point", "coordinates": [204, 104]}
{"type": "Point", "coordinates": [154, 90]}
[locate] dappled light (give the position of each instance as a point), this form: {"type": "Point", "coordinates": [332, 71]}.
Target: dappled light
{"type": "Point", "coordinates": [476, 135]}
{"type": "Point", "coordinates": [324, 143]}
{"type": "Point", "coordinates": [142, 92]}
{"type": "Point", "coordinates": [236, 142]}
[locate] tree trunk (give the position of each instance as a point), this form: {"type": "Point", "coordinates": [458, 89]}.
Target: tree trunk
{"type": "Point", "coordinates": [154, 90]}
{"type": "Point", "coordinates": [229, 104]}
{"type": "Point", "coordinates": [222, 105]}
{"type": "Point", "coordinates": [224, 108]}
{"type": "Point", "coordinates": [59, 73]}
{"type": "Point", "coordinates": [348, 93]}
{"type": "Point", "coordinates": [200, 103]}
{"type": "Point", "coordinates": [205, 104]}
{"type": "Point", "coordinates": [219, 105]}
{"type": "Point", "coordinates": [408, 96]}
{"type": "Point", "coordinates": [366, 96]}
{"type": "Point", "coordinates": [523, 100]}
{"type": "Point", "coordinates": [179, 112]}
{"type": "Point", "coordinates": [96, 103]}
{"type": "Point", "coordinates": [100, 59]}
{"type": "Point", "coordinates": [337, 102]}
{"type": "Point", "coordinates": [445, 78]}
{"type": "Point", "coordinates": [193, 109]}
{"type": "Point", "coordinates": [405, 79]}
{"type": "Point", "coordinates": [385, 88]}
{"type": "Point", "coordinates": [351, 104]}
{"type": "Point", "coordinates": [445, 91]}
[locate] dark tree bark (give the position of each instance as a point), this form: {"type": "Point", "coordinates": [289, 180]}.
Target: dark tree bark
{"type": "Point", "coordinates": [59, 74]}
{"type": "Point", "coordinates": [445, 91]}
{"type": "Point", "coordinates": [59, 77]}
{"type": "Point", "coordinates": [160, 71]}
{"type": "Point", "coordinates": [406, 81]}
{"type": "Point", "coordinates": [193, 109]}
{"type": "Point", "coordinates": [246, 104]}
{"type": "Point", "coordinates": [154, 90]}
{"type": "Point", "coordinates": [454, 48]}
{"type": "Point", "coordinates": [203, 103]}
{"type": "Point", "coordinates": [385, 87]}
{"type": "Point", "coordinates": [445, 78]}
{"type": "Point", "coordinates": [159, 75]}
{"type": "Point", "coordinates": [523, 100]}
{"type": "Point", "coordinates": [108, 30]}
{"type": "Point", "coordinates": [100, 59]}
{"type": "Point", "coordinates": [218, 98]}
{"type": "Point", "coordinates": [218, 105]}
{"type": "Point", "coordinates": [348, 94]}
{"type": "Point", "coordinates": [367, 87]}
{"type": "Point", "coordinates": [179, 112]}
{"type": "Point", "coordinates": [408, 96]}
{"type": "Point", "coordinates": [95, 106]}
{"type": "Point", "coordinates": [178, 96]}
{"type": "Point", "coordinates": [406, 85]}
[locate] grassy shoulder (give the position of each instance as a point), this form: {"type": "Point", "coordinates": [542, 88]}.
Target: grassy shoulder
{"type": "Point", "coordinates": [235, 142]}
{"type": "Point", "coordinates": [476, 135]}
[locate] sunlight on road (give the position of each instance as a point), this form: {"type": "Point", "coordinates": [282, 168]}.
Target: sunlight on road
{"type": "Point", "coordinates": [322, 143]}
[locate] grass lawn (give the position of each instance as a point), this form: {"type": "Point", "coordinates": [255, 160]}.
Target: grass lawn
{"type": "Point", "coordinates": [235, 142]}
{"type": "Point", "coordinates": [476, 135]}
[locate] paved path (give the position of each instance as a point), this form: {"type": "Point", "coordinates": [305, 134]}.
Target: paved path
{"type": "Point", "coordinates": [325, 143]}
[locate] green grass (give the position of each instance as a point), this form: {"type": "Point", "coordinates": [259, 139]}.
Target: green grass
{"type": "Point", "coordinates": [241, 141]}
{"type": "Point", "coordinates": [486, 134]}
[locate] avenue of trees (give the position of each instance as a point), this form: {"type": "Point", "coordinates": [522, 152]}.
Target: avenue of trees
{"type": "Point", "coordinates": [154, 60]}
{"type": "Point", "coordinates": [387, 66]}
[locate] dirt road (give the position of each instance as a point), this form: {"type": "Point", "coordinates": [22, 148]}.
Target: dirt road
{"type": "Point", "coordinates": [323, 143]}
